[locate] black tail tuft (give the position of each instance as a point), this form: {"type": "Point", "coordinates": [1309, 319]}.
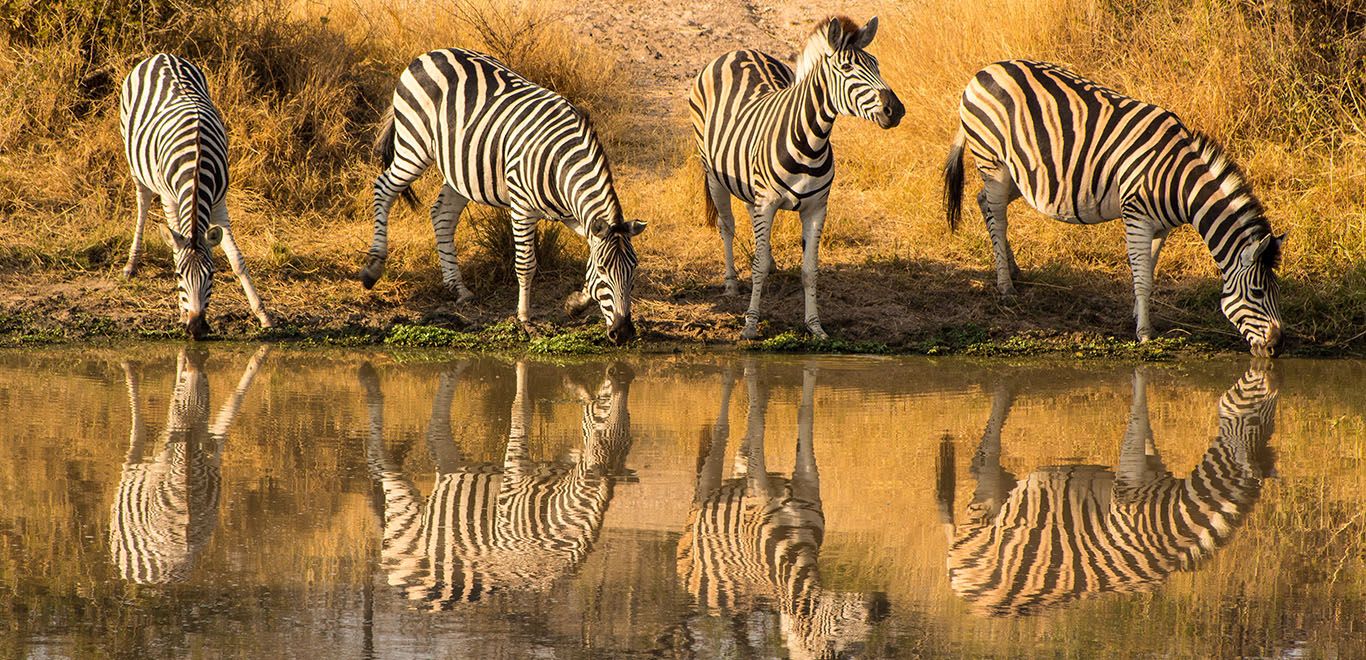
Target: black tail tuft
{"type": "Point", "coordinates": [384, 151]}
{"type": "Point", "coordinates": [953, 181]}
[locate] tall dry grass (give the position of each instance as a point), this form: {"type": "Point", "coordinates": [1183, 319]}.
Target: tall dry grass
{"type": "Point", "coordinates": [303, 82]}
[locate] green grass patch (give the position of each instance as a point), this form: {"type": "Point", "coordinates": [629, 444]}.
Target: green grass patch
{"type": "Point", "coordinates": [800, 342]}
{"type": "Point", "coordinates": [578, 342]}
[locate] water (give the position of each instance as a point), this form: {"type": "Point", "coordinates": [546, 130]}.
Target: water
{"type": "Point", "coordinates": [256, 502]}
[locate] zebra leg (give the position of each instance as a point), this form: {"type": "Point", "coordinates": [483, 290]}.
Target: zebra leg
{"type": "Point", "coordinates": [222, 420]}
{"type": "Point", "coordinates": [994, 199]}
{"type": "Point", "coordinates": [516, 458]}
{"type": "Point", "coordinates": [388, 186]}
{"type": "Point", "coordinates": [440, 439]}
{"type": "Point", "coordinates": [145, 196]}
{"type": "Point", "coordinates": [445, 218]}
{"type": "Point", "coordinates": [1139, 239]}
{"type": "Point", "coordinates": [806, 479]}
{"type": "Point", "coordinates": [813, 222]}
{"type": "Point", "coordinates": [712, 449]}
{"type": "Point", "coordinates": [762, 218]}
{"type": "Point", "coordinates": [994, 483]}
{"type": "Point", "coordinates": [1139, 462]}
{"type": "Point", "coordinates": [137, 432]}
{"type": "Point", "coordinates": [239, 265]}
{"type": "Point", "coordinates": [725, 225]}
{"type": "Point", "coordinates": [524, 240]}
{"type": "Point", "coordinates": [749, 460]}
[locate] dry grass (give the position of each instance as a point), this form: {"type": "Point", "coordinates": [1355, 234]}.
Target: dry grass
{"type": "Point", "coordinates": [302, 84]}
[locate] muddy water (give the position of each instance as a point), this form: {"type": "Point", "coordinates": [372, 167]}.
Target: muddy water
{"type": "Point", "coordinates": [263, 503]}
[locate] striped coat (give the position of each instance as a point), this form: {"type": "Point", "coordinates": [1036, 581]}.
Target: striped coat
{"type": "Point", "coordinates": [501, 140]}
{"type": "Point", "coordinates": [755, 539]}
{"type": "Point", "coordinates": [177, 150]}
{"type": "Point", "coordinates": [1069, 532]}
{"type": "Point", "coordinates": [763, 135]}
{"type": "Point", "coordinates": [1081, 153]}
{"type": "Point", "coordinates": [518, 526]}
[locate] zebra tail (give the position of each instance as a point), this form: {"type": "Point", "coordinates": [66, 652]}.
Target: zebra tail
{"type": "Point", "coordinates": [953, 181]}
{"type": "Point", "coordinates": [384, 151]}
{"type": "Point", "coordinates": [709, 210]}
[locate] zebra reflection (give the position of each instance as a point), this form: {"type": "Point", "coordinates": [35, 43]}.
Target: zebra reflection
{"type": "Point", "coordinates": [753, 540]}
{"type": "Point", "coordinates": [165, 509]}
{"type": "Point", "coordinates": [1066, 532]}
{"type": "Point", "coordinates": [495, 527]}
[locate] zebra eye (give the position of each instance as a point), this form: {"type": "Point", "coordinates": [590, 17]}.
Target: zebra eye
{"type": "Point", "coordinates": [847, 67]}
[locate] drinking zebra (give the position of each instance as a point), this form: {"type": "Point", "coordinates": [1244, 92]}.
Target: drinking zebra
{"type": "Point", "coordinates": [164, 511]}
{"type": "Point", "coordinates": [763, 135]}
{"type": "Point", "coordinates": [1084, 154]}
{"type": "Point", "coordinates": [485, 528]}
{"type": "Point", "coordinates": [1067, 532]}
{"type": "Point", "coordinates": [177, 149]}
{"type": "Point", "coordinates": [501, 140]}
{"type": "Point", "coordinates": [755, 538]}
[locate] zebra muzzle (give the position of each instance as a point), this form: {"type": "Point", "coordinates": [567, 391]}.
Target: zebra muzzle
{"type": "Point", "coordinates": [892, 109]}
{"type": "Point", "coordinates": [196, 326]}
{"type": "Point", "coordinates": [622, 331]}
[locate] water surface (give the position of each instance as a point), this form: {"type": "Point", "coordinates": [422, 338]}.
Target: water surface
{"type": "Point", "coordinates": [164, 501]}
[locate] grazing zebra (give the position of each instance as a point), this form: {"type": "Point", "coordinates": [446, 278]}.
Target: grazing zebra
{"type": "Point", "coordinates": [177, 149]}
{"type": "Point", "coordinates": [755, 539]}
{"type": "Point", "coordinates": [764, 136]}
{"type": "Point", "coordinates": [512, 526]}
{"type": "Point", "coordinates": [165, 510]}
{"type": "Point", "coordinates": [501, 140]}
{"type": "Point", "coordinates": [1067, 532]}
{"type": "Point", "coordinates": [1084, 154]}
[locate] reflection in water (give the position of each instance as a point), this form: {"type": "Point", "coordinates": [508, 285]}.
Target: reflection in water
{"type": "Point", "coordinates": [165, 510]}
{"type": "Point", "coordinates": [1065, 532]}
{"type": "Point", "coordinates": [486, 527]}
{"type": "Point", "coordinates": [753, 540]}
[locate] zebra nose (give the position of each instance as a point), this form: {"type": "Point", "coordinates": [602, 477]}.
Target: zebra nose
{"type": "Point", "coordinates": [196, 326]}
{"type": "Point", "coordinates": [622, 331]}
{"type": "Point", "coordinates": [1273, 340]}
{"type": "Point", "coordinates": [892, 109]}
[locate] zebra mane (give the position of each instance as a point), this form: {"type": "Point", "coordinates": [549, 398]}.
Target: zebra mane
{"type": "Point", "coordinates": [1235, 185]}
{"type": "Point", "coordinates": [818, 44]}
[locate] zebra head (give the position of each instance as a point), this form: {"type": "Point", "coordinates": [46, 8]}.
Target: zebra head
{"type": "Point", "coordinates": [851, 75]}
{"type": "Point", "coordinates": [832, 624]}
{"type": "Point", "coordinates": [1250, 293]}
{"type": "Point", "coordinates": [611, 274]}
{"type": "Point", "coordinates": [193, 258]}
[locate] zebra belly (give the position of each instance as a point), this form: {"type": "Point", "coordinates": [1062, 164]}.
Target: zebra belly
{"type": "Point", "coordinates": [1085, 209]}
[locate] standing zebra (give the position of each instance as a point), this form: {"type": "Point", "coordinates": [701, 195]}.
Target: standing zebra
{"type": "Point", "coordinates": [165, 510]}
{"type": "Point", "coordinates": [501, 140]}
{"type": "Point", "coordinates": [1084, 154]}
{"type": "Point", "coordinates": [177, 149]}
{"type": "Point", "coordinates": [756, 538]}
{"type": "Point", "coordinates": [512, 526]}
{"type": "Point", "coordinates": [1067, 532]}
{"type": "Point", "coordinates": [763, 135]}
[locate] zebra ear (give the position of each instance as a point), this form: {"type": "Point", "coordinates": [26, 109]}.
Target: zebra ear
{"type": "Point", "coordinates": [865, 34]}
{"type": "Point", "coordinates": [172, 238]}
{"type": "Point", "coordinates": [599, 228]}
{"type": "Point", "coordinates": [215, 236]}
{"type": "Point", "coordinates": [1252, 253]}
{"type": "Point", "coordinates": [634, 227]}
{"type": "Point", "coordinates": [834, 33]}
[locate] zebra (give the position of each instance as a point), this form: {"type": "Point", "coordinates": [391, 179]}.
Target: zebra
{"type": "Point", "coordinates": [1068, 532]}
{"type": "Point", "coordinates": [164, 511]}
{"type": "Point", "coordinates": [1084, 154]}
{"type": "Point", "coordinates": [755, 538]}
{"type": "Point", "coordinates": [177, 149]}
{"type": "Point", "coordinates": [514, 526]}
{"type": "Point", "coordinates": [763, 135]}
{"type": "Point", "coordinates": [501, 140]}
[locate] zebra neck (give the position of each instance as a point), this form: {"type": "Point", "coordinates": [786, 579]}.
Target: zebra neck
{"type": "Point", "coordinates": [810, 111]}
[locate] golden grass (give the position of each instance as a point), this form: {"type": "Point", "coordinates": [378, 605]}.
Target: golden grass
{"type": "Point", "coordinates": [303, 83]}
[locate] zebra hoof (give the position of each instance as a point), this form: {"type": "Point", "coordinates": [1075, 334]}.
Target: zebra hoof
{"type": "Point", "coordinates": [817, 332]}
{"type": "Point", "coordinates": [266, 321]}
{"type": "Point", "coordinates": [576, 304]}
{"type": "Point", "coordinates": [462, 295]}
{"type": "Point", "coordinates": [371, 273]}
{"type": "Point", "coordinates": [129, 272]}
{"type": "Point", "coordinates": [750, 332]}
{"type": "Point", "coordinates": [732, 287]}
